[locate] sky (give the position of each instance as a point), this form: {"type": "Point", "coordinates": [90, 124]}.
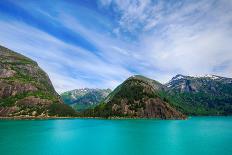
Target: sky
{"type": "Point", "coordinates": [100, 43]}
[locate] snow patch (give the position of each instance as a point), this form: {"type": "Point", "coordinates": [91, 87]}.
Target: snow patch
{"type": "Point", "coordinates": [178, 77]}
{"type": "Point", "coordinates": [213, 77]}
{"type": "Point", "coordinates": [169, 85]}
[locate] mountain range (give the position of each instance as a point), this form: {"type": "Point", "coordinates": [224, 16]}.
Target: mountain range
{"type": "Point", "coordinates": [182, 96]}
{"type": "Point", "coordinates": [26, 91]}
{"type": "Point", "coordinates": [206, 95]}
{"type": "Point", "coordinates": [81, 99]}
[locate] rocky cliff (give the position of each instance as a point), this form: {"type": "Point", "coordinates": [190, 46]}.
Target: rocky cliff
{"type": "Point", "coordinates": [25, 89]}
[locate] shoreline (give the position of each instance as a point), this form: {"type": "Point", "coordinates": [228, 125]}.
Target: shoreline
{"type": "Point", "coordinates": [55, 117]}
{"type": "Point", "coordinates": [32, 118]}
{"type": "Point", "coordinates": [110, 118]}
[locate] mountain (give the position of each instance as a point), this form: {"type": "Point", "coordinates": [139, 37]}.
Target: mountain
{"type": "Point", "coordinates": [138, 96]}
{"type": "Point", "coordinates": [206, 95]}
{"type": "Point", "coordinates": [26, 90]}
{"type": "Point", "coordinates": [81, 99]}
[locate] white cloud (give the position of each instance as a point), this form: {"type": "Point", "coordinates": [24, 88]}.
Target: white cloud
{"type": "Point", "coordinates": [187, 37]}
{"type": "Point", "coordinates": [105, 2]}
{"type": "Point", "coordinates": [66, 64]}
{"type": "Point", "coordinates": [194, 48]}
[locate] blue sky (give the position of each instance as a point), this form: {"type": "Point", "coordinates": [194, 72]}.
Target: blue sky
{"type": "Point", "coordinates": [98, 44]}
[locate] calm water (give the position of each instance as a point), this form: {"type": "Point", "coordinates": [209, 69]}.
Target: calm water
{"type": "Point", "coordinates": [198, 135]}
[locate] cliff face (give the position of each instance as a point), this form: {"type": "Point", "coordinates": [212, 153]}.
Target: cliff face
{"type": "Point", "coordinates": [137, 97]}
{"type": "Point", "coordinates": [25, 89]}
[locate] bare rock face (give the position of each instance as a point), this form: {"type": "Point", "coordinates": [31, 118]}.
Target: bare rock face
{"type": "Point", "coordinates": [8, 111]}
{"type": "Point", "coordinates": [15, 88]}
{"type": "Point", "coordinates": [156, 108]}
{"type": "Point", "coordinates": [31, 101]}
{"type": "Point", "coordinates": [4, 73]}
{"type": "Point", "coordinates": [25, 89]}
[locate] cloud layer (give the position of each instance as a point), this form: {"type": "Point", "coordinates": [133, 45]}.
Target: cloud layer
{"type": "Point", "coordinates": [100, 44]}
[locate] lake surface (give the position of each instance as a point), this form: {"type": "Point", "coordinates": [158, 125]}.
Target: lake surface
{"type": "Point", "coordinates": [198, 135]}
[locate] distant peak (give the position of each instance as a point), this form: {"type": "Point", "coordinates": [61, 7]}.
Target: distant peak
{"type": "Point", "coordinates": [137, 77]}
{"type": "Point", "coordinates": [178, 77]}
{"type": "Point", "coordinates": [214, 77]}
{"type": "Point", "coordinates": [141, 77]}
{"type": "Point", "coordinates": [208, 76]}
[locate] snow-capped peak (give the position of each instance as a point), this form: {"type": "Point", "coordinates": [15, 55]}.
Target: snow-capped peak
{"type": "Point", "coordinates": [175, 78]}
{"type": "Point", "coordinates": [178, 77]}
{"type": "Point", "coordinates": [213, 77]}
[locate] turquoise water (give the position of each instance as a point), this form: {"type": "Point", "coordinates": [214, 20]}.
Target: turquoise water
{"type": "Point", "coordinates": [198, 135]}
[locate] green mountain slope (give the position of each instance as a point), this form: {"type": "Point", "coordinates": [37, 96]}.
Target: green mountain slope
{"type": "Point", "coordinates": [81, 99]}
{"type": "Point", "coordinates": [138, 96]}
{"type": "Point", "coordinates": [26, 90]}
{"type": "Point", "coordinates": [208, 95]}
